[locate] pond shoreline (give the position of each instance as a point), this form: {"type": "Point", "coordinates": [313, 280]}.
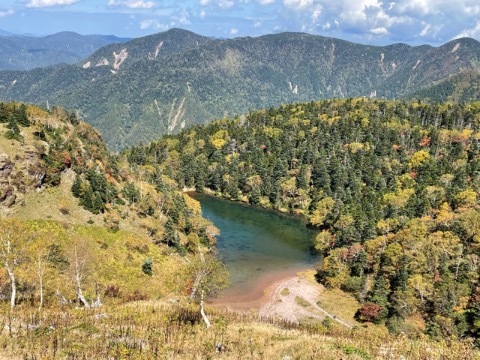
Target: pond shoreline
{"type": "Point", "coordinates": [255, 296]}
{"type": "Point", "coordinates": [293, 297]}
{"type": "Point", "coordinates": [259, 247]}
{"type": "Point", "coordinates": [302, 218]}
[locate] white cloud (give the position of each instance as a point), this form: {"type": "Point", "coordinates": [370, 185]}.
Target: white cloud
{"type": "Point", "coordinates": [183, 18]}
{"type": "Point", "coordinates": [355, 12]}
{"type": "Point", "coordinates": [473, 32]}
{"type": "Point", "coordinates": [430, 30]}
{"type": "Point", "coordinates": [316, 14]}
{"type": "Point", "coordinates": [423, 8]}
{"type": "Point", "coordinates": [374, 21]}
{"type": "Point", "coordinates": [152, 24]}
{"type": "Point", "coordinates": [140, 4]}
{"type": "Point", "coordinates": [473, 10]}
{"type": "Point", "coordinates": [297, 4]}
{"type": "Point", "coordinates": [225, 4]}
{"type": "Point", "coordinates": [360, 18]}
{"type": "Point", "coordinates": [425, 30]}
{"type": "Point", "coordinates": [222, 4]}
{"type": "Point", "coordinates": [379, 31]}
{"type": "Point", "coordinates": [7, 12]}
{"type": "Point", "coordinates": [48, 3]}
{"type": "Point", "coordinates": [132, 4]}
{"type": "Point", "coordinates": [233, 31]}
{"type": "Point", "coordinates": [420, 7]}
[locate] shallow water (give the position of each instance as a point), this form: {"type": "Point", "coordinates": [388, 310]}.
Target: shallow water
{"type": "Point", "coordinates": [257, 244]}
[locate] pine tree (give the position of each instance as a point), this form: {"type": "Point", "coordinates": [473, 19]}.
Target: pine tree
{"type": "Point", "coordinates": [21, 115]}
{"type": "Point", "coordinates": [77, 187]}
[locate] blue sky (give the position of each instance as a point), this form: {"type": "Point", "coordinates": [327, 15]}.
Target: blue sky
{"type": "Point", "coordinates": [365, 21]}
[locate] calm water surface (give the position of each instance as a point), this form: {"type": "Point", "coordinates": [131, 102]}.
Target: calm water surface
{"type": "Point", "coordinates": [256, 244]}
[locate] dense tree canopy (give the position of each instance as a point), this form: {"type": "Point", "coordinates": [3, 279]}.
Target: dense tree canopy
{"type": "Point", "coordinates": [392, 186]}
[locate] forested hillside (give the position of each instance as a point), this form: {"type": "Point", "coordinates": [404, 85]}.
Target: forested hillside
{"type": "Point", "coordinates": [159, 84]}
{"type": "Point", "coordinates": [19, 52]}
{"type": "Point", "coordinates": [83, 221]}
{"type": "Point", "coordinates": [463, 87]}
{"type": "Point", "coordinates": [391, 185]}
{"type": "Point", "coordinates": [102, 255]}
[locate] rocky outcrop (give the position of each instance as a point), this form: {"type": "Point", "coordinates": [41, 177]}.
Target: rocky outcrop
{"type": "Point", "coordinates": [16, 178]}
{"type": "Point", "coordinates": [7, 192]}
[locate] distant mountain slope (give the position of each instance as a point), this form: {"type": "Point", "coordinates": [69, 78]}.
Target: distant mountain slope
{"type": "Point", "coordinates": [463, 87]}
{"type": "Point", "coordinates": [5, 33]}
{"type": "Point", "coordinates": [26, 52]}
{"type": "Point", "coordinates": [433, 66]}
{"type": "Point", "coordinates": [137, 91]}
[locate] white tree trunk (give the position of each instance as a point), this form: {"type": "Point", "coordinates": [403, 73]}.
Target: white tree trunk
{"type": "Point", "coordinates": [98, 302]}
{"type": "Point", "coordinates": [202, 311]}
{"type": "Point", "coordinates": [80, 296]}
{"type": "Point", "coordinates": [40, 305]}
{"type": "Point", "coordinates": [40, 272]}
{"type": "Point", "coordinates": [13, 284]}
{"type": "Point", "coordinates": [78, 280]}
{"type": "Point", "coordinates": [10, 262]}
{"type": "Point", "coordinates": [195, 285]}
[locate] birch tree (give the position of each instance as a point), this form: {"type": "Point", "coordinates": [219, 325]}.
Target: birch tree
{"type": "Point", "coordinates": [12, 239]}
{"type": "Point", "coordinates": [209, 275]}
{"type": "Point", "coordinates": [78, 259]}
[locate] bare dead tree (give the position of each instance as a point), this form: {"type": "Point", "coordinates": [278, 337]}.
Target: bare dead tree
{"type": "Point", "coordinates": [78, 275]}
{"type": "Point", "coordinates": [40, 269]}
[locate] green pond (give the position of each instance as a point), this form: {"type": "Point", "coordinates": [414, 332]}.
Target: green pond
{"type": "Point", "coordinates": [257, 244]}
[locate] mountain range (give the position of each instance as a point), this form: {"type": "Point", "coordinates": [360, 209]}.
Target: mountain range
{"type": "Point", "coordinates": [136, 91]}
{"type": "Point", "coordinates": [22, 52]}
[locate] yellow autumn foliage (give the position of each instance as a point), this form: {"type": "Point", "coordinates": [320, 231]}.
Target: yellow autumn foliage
{"type": "Point", "coordinates": [419, 158]}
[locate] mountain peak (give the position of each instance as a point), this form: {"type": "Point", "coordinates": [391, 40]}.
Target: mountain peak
{"type": "Point", "coordinates": [161, 83]}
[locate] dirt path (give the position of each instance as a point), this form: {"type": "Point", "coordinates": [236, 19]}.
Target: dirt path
{"type": "Point", "coordinates": [295, 299]}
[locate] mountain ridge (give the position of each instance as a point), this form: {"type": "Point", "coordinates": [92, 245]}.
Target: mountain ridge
{"type": "Point", "coordinates": [25, 52]}
{"type": "Point", "coordinates": [136, 91]}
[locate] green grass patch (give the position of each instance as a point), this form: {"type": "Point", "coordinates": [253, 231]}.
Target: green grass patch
{"type": "Point", "coordinates": [351, 350]}
{"type": "Point", "coordinates": [301, 301]}
{"type": "Point", "coordinates": [285, 292]}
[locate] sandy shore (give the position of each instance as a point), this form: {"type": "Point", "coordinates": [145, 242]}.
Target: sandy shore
{"type": "Point", "coordinates": [253, 296]}
{"type": "Point", "coordinates": [289, 295]}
